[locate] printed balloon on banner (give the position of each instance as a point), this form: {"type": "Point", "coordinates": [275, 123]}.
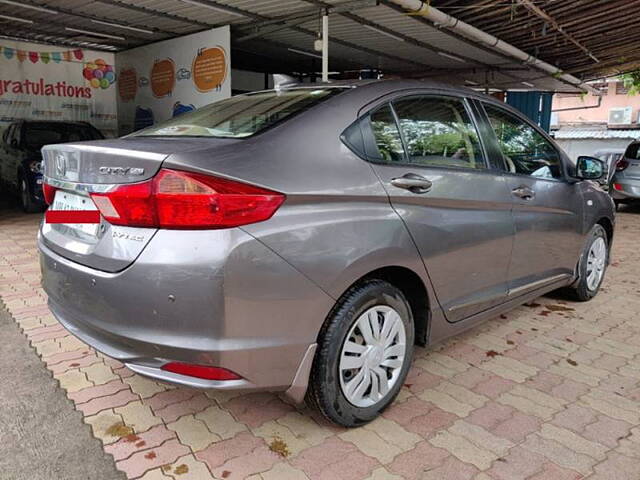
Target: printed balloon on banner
{"type": "Point", "coordinates": [96, 73]}
{"type": "Point", "coordinates": [209, 69]}
{"type": "Point", "coordinates": [163, 77]}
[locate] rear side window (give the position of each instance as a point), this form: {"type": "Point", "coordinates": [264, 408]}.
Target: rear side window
{"type": "Point", "coordinates": [388, 144]}
{"type": "Point", "coordinates": [438, 132]}
{"type": "Point", "coordinates": [524, 149]}
{"type": "Point", "coordinates": [633, 151]}
{"type": "Point", "coordinates": [35, 135]}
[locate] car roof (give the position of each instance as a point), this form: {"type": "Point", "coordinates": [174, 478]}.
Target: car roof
{"type": "Point", "coordinates": [377, 88]}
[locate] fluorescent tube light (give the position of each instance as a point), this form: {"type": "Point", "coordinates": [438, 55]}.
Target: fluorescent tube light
{"type": "Point", "coordinates": [94, 34]}
{"type": "Point", "coordinates": [378, 30]}
{"type": "Point", "coordinates": [302, 52]}
{"type": "Point", "coordinates": [32, 7]}
{"type": "Point", "coordinates": [452, 57]}
{"type": "Point", "coordinates": [16, 19]}
{"type": "Point", "coordinates": [126, 27]}
{"type": "Point", "coordinates": [217, 8]}
{"type": "Point", "coordinates": [527, 84]}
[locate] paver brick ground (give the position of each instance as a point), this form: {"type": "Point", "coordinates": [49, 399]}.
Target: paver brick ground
{"type": "Point", "coordinates": [548, 391]}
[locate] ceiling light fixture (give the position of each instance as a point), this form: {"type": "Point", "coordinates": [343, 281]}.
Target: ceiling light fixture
{"type": "Point", "coordinates": [217, 8]}
{"type": "Point", "coordinates": [302, 52]}
{"type": "Point", "coordinates": [471, 82]}
{"type": "Point", "coordinates": [527, 84]}
{"type": "Point", "coordinates": [16, 19]}
{"type": "Point", "coordinates": [379, 30]}
{"type": "Point", "coordinates": [126, 27]}
{"type": "Point", "coordinates": [32, 7]}
{"type": "Point", "coordinates": [94, 34]}
{"type": "Point", "coordinates": [452, 57]}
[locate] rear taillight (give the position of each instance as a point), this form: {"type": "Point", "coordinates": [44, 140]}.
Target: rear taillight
{"type": "Point", "coordinates": [622, 164]}
{"type": "Point", "coordinates": [49, 193]}
{"type": "Point", "coordinates": [185, 200]}
{"type": "Point", "coordinates": [200, 371]}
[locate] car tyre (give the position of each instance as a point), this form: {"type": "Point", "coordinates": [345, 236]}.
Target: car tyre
{"type": "Point", "coordinates": [26, 199]}
{"type": "Point", "coordinates": [380, 357]}
{"type": "Point", "coordinates": [592, 265]}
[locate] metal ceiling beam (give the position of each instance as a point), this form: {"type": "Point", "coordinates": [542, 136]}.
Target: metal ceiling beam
{"type": "Point", "coordinates": [45, 38]}
{"type": "Point", "coordinates": [529, 5]}
{"type": "Point", "coordinates": [258, 17]}
{"type": "Point", "coordinates": [276, 27]}
{"type": "Point", "coordinates": [75, 13]}
{"type": "Point", "coordinates": [405, 38]}
{"type": "Point", "coordinates": [155, 13]}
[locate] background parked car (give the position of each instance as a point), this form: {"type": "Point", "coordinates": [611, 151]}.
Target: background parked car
{"type": "Point", "coordinates": [626, 176]}
{"type": "Point", "coordinates": [20, 157]}
{"type": "Point", "coordinates": [610, 157]}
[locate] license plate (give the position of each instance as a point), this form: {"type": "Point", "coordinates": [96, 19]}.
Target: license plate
{"type": "Point", "coordinates": [70, 201]}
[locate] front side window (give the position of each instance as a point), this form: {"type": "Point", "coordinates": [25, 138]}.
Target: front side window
{"type": "Point", "coordinates": [524, 149]}
{"type": "Point", "coordinates": [438, 132]}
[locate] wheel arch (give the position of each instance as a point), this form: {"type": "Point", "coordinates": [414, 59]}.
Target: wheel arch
{"type": "Point", "coordinates": [415, 291]}
{"type": "Point", "coordinates": [607, 224]}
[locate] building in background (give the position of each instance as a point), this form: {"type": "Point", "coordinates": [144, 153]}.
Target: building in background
{"type": "Point", "coordinates": [583, 125]}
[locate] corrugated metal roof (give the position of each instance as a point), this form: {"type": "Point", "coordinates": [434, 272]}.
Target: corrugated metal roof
{"type": "Point", "coordinates": [588, 134]}
{"type": "Point", "coordinates": [366, 36]}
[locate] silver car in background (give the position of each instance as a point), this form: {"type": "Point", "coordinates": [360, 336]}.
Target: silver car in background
{"type": "Point", "coordinates": [625, 184]}
{"type": "Point", "coordinates": [304, 239]}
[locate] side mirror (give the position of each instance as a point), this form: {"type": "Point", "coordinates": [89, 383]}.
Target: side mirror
{"type": "Point", "coordinates": [590, 168]}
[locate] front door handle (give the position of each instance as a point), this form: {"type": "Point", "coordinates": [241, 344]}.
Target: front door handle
{"type": "Point", "coordinates": [524, 192]}
{"type": "Point", "coordinates": [412, 182]}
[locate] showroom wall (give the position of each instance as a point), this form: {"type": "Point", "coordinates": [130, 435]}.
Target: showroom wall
{"type": "Point", "coordinates": [164, 79]}
{"type": "Point", "coordinates": [42, 82]}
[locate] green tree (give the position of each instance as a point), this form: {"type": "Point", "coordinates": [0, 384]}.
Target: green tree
{"type": "Point", "coordinates": [631, 81]}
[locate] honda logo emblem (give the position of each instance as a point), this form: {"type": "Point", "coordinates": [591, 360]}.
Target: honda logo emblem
{"type": "Point", "coordinates": [60, 164]}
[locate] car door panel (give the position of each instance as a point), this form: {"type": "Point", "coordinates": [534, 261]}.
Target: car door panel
{"type": "Point", "coordinates": [547, 210]}
{"type": "Point", "coordinates": [463, 230]}
{"type": "Point", "coordinates": [461, 225]}
{"type": "Point", "coordinates": [547, 231]}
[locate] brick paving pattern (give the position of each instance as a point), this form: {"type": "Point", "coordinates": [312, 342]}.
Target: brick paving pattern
{"type": "Point", "coordinates": [548, 391]}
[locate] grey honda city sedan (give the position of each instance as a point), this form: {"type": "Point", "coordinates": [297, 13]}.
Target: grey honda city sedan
{"type": "Point", "coordinates": [304, 239]}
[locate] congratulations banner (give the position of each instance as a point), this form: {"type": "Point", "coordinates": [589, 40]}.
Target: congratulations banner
{"type": "Point", "coordinates": [168, 78]}
{"type": "Point", "coordinates": [46, 83]}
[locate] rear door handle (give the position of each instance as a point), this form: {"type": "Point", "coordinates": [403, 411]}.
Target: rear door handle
{"type": "Point", "coordinates": [524, 192]}
{"type": "Point", "coordinates": [412, 182]}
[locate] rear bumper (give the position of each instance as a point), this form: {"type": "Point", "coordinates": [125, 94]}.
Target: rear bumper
{"type": "Point", "coordinates": [236, 305]}
{"type": "Point", "coordinates": [628, 189]}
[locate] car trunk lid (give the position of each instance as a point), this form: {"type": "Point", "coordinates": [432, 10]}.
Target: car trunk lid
{"type": "Point", "coordinates": [78, 169]}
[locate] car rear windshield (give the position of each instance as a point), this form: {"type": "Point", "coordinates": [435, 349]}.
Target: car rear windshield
{"type": "Point", "coordinates": [36, 135]}
{"type": "Point", "coordinates": [241, 116]}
